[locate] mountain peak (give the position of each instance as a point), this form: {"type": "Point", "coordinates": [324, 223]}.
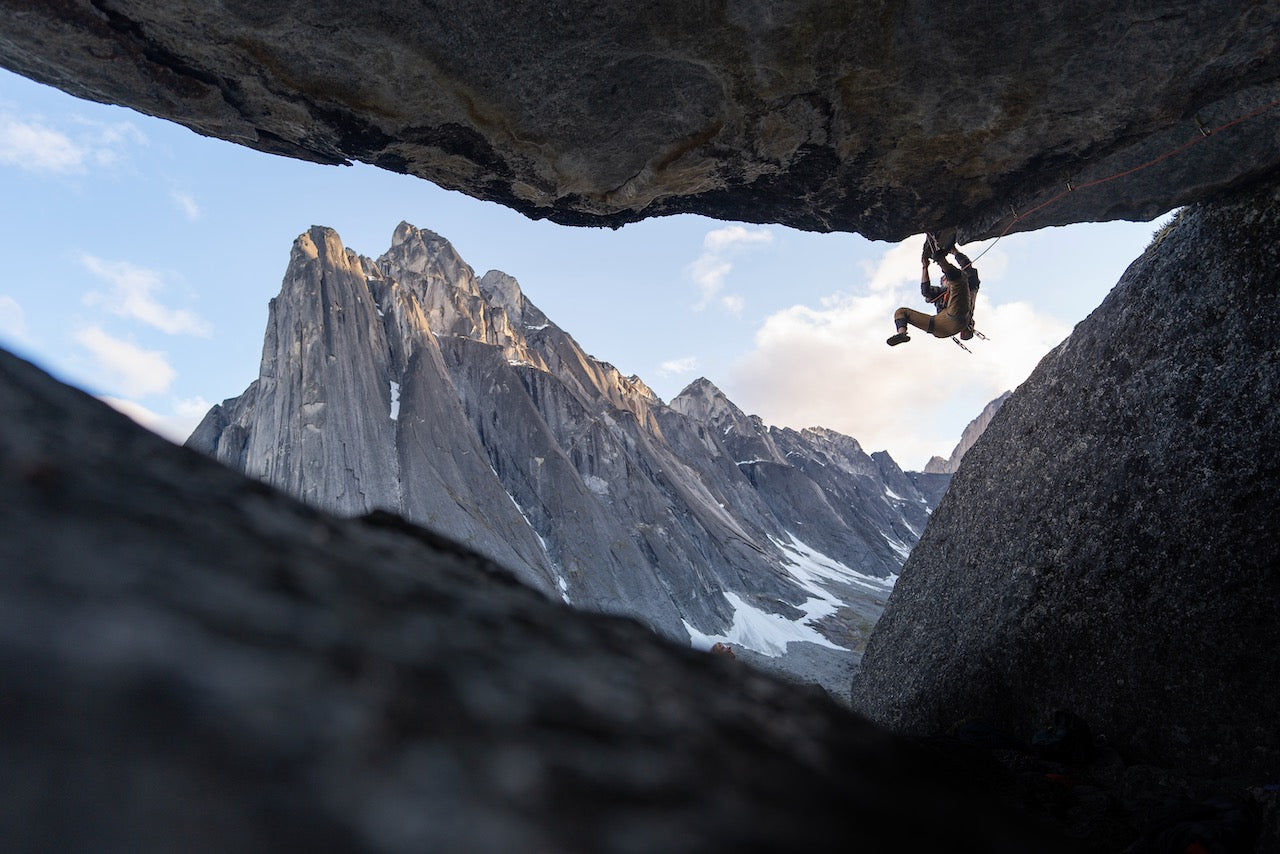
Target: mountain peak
{"type": "Point", "coordinates": [420, 251]}
{"type": "Point", "coordinates": [503, 290]}
{"type": "Point", "coordinates": [319, 241]}
{"type": "Point", "coordinates": [703, 387]}
{"type": "Point", "coordinates": [406, 231]}
{"type": "Point", "coordinates": [703, 401]}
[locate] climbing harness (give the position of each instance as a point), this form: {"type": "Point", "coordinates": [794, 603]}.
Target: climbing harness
{"type": "Point", "coordinates": [1204, 133]}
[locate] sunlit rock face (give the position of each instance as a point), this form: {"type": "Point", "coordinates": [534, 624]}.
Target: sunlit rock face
{"type": "Point", "coordinates": [881, 118]}
{"type": "Point", "coordinates": [1107, 545]}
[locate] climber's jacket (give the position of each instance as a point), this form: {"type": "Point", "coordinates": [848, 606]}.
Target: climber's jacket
{"type": "Point", "coordinates": [940, 297]}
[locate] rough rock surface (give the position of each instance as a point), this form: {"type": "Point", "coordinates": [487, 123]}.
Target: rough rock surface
{"type": "Point", "coordinates": [937, 465]}
{"type": "Point", "coordinates": [410, 384]}
{"type": "Point", "coordinates": [886, 118]}
{"type": "Point", "coordinates": [192, 661]}
{"type": "Point", "coordinates": [1107, 546]}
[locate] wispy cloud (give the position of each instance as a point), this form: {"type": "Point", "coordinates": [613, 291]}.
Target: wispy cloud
{"type": "Point", "coordinates": [186, 203]}
{"type": "Point", "coordinates": [31, 144]}
{"type": "Point", "coordinates": [192, 407]}
{"type": "Point", "coordinates": [36, 148]}
{"type": "Point", "coordinates": [711, 269]}
{"type": "Point", "coordinates": [125, 367]}
{"type": "Point", "coordinates": [829, 365]}
{"type": "Point", "coordinates": [13, 320]}
{"type": "Point", "coordinates": [133, 296]}
{"type": "Point", "coordinates": [676, 367]}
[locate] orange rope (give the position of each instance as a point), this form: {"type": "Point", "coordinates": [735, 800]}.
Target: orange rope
{"type": "Point", "coordinates": [1204, 134]}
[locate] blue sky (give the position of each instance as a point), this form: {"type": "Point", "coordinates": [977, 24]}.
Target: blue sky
{"type": "Point", "coordinates": [139, 258]}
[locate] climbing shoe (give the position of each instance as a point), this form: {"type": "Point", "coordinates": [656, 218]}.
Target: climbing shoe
{"type": "Point", "coordinates": [895, 340]}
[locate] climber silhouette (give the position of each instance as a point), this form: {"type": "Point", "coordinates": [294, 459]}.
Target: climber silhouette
{"type": "Point", "coordinates": [953, 299]}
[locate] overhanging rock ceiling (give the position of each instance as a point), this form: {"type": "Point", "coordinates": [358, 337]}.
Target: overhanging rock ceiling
{"type": "Point", "coordinates": [884, 118]}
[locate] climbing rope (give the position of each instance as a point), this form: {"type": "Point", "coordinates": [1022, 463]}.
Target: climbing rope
{"type": "Point", "coordinates": [1203, 133]}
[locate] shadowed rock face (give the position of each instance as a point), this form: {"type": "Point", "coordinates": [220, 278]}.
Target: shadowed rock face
{"type": "Point", "coordinates": [1107, 546]}
{"type": "Point", "coordinates": [191, 661]}
{"type": "Point", "coordinates": [883, 118]}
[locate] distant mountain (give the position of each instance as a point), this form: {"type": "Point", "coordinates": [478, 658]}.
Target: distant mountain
{"type": "Point", "coordinates": [409, 384]}
{"type": "Point", "coordinates": [937, 465]}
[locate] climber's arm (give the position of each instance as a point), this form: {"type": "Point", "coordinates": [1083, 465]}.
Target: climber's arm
{"type": "Point", "coordinates": [927, 290]}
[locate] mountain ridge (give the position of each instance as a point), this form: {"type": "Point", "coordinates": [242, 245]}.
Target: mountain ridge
{"type": "Point", "coordinates": [406, 383]}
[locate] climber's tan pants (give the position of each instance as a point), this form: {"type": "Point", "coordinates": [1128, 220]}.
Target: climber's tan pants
{"type": "Point", "coordinates": [950, 322]}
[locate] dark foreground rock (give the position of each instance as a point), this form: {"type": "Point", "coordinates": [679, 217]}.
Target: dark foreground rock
{"type": "Point", "coordinates": [191, 661]}
{"type": "Point", "coordinates": [881, 118]}
{"type": "Point", "coordinates": [1107, 545]}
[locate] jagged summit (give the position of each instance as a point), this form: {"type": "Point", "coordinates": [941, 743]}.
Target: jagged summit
{"type": "Point", "coordinates": [704, 400]}
{"type": "Point", "coordinates": [503, 290]}
{"type": "Point", "coordinates": [408, 384]}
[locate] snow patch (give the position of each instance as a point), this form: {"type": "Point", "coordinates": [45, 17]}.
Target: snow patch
{"type": "Point", "coordinates": [395, 401]}
{"type": "Point", "coordinates": [766, 633]}
{"type": "Point", "coordinates": [899, 548]}
{"type": "Point", "coordinates": [537, 328]}
{"type": "Point", "coordinates": [891, 494]}
{"type": "Point", "coordinates": [560, 582]}
{"type": "Point", "coordinates": [811, 567]}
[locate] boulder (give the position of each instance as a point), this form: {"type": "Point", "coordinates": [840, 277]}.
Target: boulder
{"type": "Point", "coordinates": [1105, 547]}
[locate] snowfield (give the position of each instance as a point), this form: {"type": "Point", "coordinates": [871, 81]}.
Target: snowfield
{"type": "Point", "coordinates": [768, 633]}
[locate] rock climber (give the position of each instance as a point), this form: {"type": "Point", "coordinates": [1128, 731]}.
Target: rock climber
{"type": "Point", "coordinates": [952, 299]}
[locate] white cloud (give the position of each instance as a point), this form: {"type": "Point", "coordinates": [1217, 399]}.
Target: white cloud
{"type": "Point", "coordinates": [675, 367]}
{"type": "Point", "coordinates": [176, 428]}
{"type": "Point", "coordinates": [36, 148]}
{"type": "Point", "coordinates": [132, 296]}
{"type": "Point", "coordinates": [723, 239]}
{"type": "Point", "coordinates": [192, 407]}
{"type": "Point", "coordinates": [13, 320]}
{"type": "Point", "coordinates": [830, 365]}
{"type": "Point", "coordinates": [733, 303]}
{"type": "Point", "coordinates": [710, 270]}
{"type": "Point", "coordinates": [126, 367]}
{"type": "Point", "coordinates": [896, 268]}
{"type": "Point", "coordinates": [187, 203]}
{"type": "Point", "coordinates": [32, 145]}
